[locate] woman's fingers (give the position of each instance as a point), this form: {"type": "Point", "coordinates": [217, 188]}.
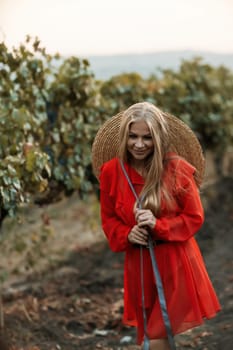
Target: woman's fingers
{"type": "Point", "coordinates": [138, 235]}
{"type": "Point", "coordinates": [145, 217]}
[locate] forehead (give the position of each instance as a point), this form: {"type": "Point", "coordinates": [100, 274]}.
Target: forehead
{"type": "Point", "coordinates": [139, 127]}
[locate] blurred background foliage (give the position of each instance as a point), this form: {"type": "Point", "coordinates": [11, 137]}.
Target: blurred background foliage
{"type": "Point", "coordinates": [51, 109]}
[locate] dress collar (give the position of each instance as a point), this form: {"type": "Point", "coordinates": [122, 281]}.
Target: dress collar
{"type": "Point", "coordinates": [134, 176]}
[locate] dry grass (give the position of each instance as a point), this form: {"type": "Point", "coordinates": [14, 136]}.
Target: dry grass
{"type": "Point", "coordinates": [42, 236]}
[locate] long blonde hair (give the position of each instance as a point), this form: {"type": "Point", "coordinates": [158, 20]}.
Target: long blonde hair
{"type": "Point", "coordinates": [154, 164]}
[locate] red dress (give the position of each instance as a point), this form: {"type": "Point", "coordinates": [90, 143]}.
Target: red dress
{"type": "Point", "coordinates": [188, 290]}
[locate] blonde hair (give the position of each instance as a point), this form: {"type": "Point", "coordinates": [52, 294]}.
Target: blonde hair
{"type": "Point", "coordinates": [154, 164]}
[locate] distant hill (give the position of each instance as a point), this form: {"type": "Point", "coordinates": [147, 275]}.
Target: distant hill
{"type": "Point", "coordinates": [104, 67]}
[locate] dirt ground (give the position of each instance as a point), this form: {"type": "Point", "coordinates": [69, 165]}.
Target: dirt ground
{"type": "Point", "coordinates": [64, 285]}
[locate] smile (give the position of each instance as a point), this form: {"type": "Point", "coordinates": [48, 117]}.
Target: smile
{"type": "Point", "coordinates": [139, 152]}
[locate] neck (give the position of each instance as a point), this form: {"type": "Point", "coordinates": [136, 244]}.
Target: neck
{"type": "Point", "coordinates": [139, 166]}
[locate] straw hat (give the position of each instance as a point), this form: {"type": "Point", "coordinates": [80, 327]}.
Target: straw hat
{"type": "Point", "coordinates": [183, 141]}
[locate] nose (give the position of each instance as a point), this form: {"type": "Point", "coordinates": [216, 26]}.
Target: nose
{"type": "Point", "coordinates": [139, 143]}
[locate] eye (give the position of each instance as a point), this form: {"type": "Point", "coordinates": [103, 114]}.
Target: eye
{"type": "Point", "coordinates": [132, 136]}
{"type": "Point", "coordinates": [148, 137]}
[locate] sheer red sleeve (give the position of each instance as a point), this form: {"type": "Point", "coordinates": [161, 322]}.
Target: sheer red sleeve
{"type": "Point", "coordinates": [190, 215]}
{"type": "Point", "coordinates": [114, 228]}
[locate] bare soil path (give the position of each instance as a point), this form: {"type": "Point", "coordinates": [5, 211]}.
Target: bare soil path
{"type": "Point", "coordinates": [75, 300]}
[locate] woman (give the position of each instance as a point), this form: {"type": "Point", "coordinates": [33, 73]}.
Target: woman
{"type": "Point", "coordinates": [171, 213]}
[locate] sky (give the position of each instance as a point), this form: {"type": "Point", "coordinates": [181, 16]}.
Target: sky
{"type": "Point", "coordinates": [107, 27]}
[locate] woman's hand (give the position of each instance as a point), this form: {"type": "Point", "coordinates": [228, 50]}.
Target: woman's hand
{"type": "Point", "coordinates": [138, 235]}
{"type": "Point", "coordinates": [145, 217]}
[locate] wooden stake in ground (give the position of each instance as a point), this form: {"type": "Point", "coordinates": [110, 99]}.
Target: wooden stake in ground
{"type": "Point", "coordinates": [3, 345]}
{"type": "Point", "coordinates": [1, 311]}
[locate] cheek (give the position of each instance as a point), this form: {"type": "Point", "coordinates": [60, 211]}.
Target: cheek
{"type": "Point", "coordinates": [129, 143]}
{"type": "Point", "coordinates": [150, 145]}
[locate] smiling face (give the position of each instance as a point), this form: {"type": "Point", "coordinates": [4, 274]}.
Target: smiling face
{"type": "Point", "coordinates": [139, 143]}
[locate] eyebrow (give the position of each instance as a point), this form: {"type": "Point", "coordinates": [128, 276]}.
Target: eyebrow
{"type": "Point", "coordinates": [148, 134]}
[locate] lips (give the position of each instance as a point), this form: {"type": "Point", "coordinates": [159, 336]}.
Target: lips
{"type": "Point", "coordinates": [139, 152]}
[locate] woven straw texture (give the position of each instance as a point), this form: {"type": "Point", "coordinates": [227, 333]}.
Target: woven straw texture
{"type": "Point", "coordinates": [183, 141]}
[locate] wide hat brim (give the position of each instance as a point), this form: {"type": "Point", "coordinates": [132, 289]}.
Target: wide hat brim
{"type": "Point", "coordinates": [182, 141]}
